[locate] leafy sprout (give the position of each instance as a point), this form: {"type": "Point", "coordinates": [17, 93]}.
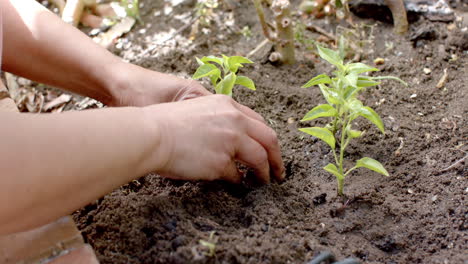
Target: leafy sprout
{"type": "Point", "coordinates": [343, 107]}
{"type": "Point", "coordinates": [222, 73]}
{"type": "Point", "coordinates": [210, 244]}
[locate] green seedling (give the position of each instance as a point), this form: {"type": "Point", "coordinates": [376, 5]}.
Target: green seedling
{"type": "Point", "coordinates": [340, 92]}
{"type": "Point", "coordinates": [223, 81]}
{"type": "Point", "coordinates": [210, 245]}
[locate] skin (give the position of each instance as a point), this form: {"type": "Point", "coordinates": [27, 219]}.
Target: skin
{"type": "Point", "coordinates": [53, 164]}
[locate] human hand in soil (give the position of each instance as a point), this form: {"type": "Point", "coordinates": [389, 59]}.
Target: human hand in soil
{"type": "Point", "coordinates": [142, 87]}
{"type": "Point", "coordinates": [201, 139]}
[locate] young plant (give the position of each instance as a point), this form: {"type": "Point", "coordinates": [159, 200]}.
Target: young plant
{"type": "Point", "coordinates": [223, 81]}
{"type": "Point", "coordinates": [210, 244]}
{"type": "Point", "coordinates": [343, 107]}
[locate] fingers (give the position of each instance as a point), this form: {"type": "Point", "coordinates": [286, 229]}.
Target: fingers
{"type": "Point", "coordinates": [267, 138]}
{"type": "Point", "coordinates": [249, 112]}
{"type": "Point", "coordinates": [231, 173]}
{"type": "Point", "coordinates": [252, 154]}
{"type": "Point", "coordinates": [193, 89]}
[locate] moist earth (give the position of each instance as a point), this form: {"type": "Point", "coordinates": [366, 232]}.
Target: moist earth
{"type": "Point", "coordinates": [417, 215]}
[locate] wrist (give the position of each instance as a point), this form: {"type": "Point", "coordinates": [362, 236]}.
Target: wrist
{"type": "Point", "coordinates": [159, 137]}
{"type": "Point", "coordinates": [117, 84]}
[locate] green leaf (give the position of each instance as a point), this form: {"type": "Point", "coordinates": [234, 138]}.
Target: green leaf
{"type": "Point", "coordinates": [338, 4]}
{"type": "Point", "coordinates": [371, 164]}
{"type": "Point", "coordinates": [330, 96]}
{"type": "Point", "coordinates": [215, 77]}
{"type": "Point", "coordinates": [319, 79]}
{"type": "Point", "coordinates": [235, 62]}
{"type": "Point", "coordinates": [322, 110]}
{"type": "Point", "coordinates": [351, 79]}
{"type": "Point", "coordinates": [200, 62]}
{"type": "Point", "coordinates": [355, 105]}
{"type": "Point", "coordinates": [225, 86]}
{"type": "Point", "coordinates": [333, 170]}
{"type": "Point", "coordinates": [246, 82]}
{"type": "Point", "coordinates": [212, 59]}
{"type": "Point", "coordinates": [389, 78]}
{"type": "Point", "coordinates": [226, 63]}
{"type": "Point", "coordinates": [372, 116]}
{"type": "Point", "coordinates": [205, 70]}
{"type": "Point", "coordinates": [358, 68]}
{"type": "Point", "coordinates": [321, 133]}
{"type": "Point", "coordinates": [330, 56]}
{"type": "Point", "coordinates": [364, 81]}
{"type": "Point", "coordinates": [354, 133]}
{"type": "Point", "coordinates": [351, 91]}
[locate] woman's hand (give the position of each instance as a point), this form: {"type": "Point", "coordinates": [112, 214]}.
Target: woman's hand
{"type": "Point", "coordinates": [201, 139]}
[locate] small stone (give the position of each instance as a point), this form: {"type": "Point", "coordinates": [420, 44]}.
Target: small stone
{"type": "Point", "coordinates": [434, 198]}
{"type": "Point", "coordinates": [427, 71]}
{"type": "Point", "coordinates": [413, 96]}
{"type": "Point", "coordinates": [322, 225]}
{"type": "Point", "coordinates": [291, 120]}
{"type": "Point", "coordinates": [451, 27]}
{"type": "Point", "coordinates": [142, 31]}
{"type": "Point", "coordinates": [379, 61]}
{"type": "Point", "coordinates": [410, 191]}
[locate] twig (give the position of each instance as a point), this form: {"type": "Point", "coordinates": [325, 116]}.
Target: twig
{"type": "Point", "coordinates": [259, 47]}
{"type": "Point", "coordinates": [321, 31]}
{"type": "Point", "coordinates": [454, 164]}
{"type": "Point", "coordinates": [397, 152]}
{"type": "Point", "coordinates": [261, 17]}
{"type": "Point", "coordinates": [442, 80]}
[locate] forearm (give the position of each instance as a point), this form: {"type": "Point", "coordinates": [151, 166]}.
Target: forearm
{"type": "Point", "coordinates": [41, 47]}
{"type": "Point", "coordinates": [52, 164]}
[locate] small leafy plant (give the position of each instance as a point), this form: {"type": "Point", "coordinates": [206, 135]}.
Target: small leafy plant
{"type": "Point", "coordinates": [209, 244]}
{"type": "Point", "coordinates": [223, 81]}
{"type": "Point", "coordinates": [340, 92]}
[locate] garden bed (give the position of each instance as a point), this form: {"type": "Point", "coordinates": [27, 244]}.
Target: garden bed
{"type": "Point", "coordinates": [417, 215]}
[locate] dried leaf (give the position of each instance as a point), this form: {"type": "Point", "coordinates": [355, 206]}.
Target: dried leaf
{"type": "Point", "coordinates": [107, 38]}
{"type": "Point", "coordinates": [59, 101]}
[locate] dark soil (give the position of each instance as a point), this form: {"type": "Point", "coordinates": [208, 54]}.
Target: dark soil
{"type": "Point", "coordinates": [417, 215]}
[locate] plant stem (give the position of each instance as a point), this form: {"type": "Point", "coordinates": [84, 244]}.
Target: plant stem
{"type": "Point", "coordinates": [261, 17]}
{"type": "Point", "coordinates": [340, 186]}
{"type": "Point", "coordinates": [284, 30]}
{"type": "Point", "coordinates": [400, 20]}
{"type": "Point", "coordinates": [343, 144]}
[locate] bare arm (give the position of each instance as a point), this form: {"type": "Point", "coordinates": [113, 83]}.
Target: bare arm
{"type": "Point", "coordinates": [38, 45]}
{"type": "Point", "coordinates": [52, 164]}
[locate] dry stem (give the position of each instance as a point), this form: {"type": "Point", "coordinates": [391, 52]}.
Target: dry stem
{"type": "Point", "coordinates": [261, 17]}
{"type": "Point", "coordinates": [400, 21]}
{"type": "Point", "coordinates": [284, 30]}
